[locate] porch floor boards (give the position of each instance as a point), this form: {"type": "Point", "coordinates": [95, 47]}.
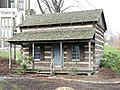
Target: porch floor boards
{"type": "Point", "coordinates": [47, 71]}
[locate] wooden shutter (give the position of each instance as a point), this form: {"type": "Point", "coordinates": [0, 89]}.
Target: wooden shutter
{"type": "Point", "coordinates": [42, 54]}
{"type": "Point", "coordinates": [82, 53]}
{"type": "Point", "coordinates": [69, 53]}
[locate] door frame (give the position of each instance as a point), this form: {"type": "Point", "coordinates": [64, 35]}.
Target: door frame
{"type": "Point", "coordinates": [61, 62]}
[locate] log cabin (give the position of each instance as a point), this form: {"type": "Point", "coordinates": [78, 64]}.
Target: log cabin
{"type": "Point", "coordinates": [61, 41]}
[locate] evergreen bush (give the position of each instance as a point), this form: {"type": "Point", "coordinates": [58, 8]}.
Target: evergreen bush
{"type": "Point", "coordinates": [112, 61]}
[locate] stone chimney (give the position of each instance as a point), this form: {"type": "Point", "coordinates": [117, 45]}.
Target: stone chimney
{"type": "Point", "coordinates": [29, 13]}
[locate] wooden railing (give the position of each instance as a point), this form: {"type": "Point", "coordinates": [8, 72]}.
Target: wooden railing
{"type": "Point", "coordinates": [52, 67]}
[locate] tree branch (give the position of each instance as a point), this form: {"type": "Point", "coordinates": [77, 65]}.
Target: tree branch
{"type": "Point", "coordinates": [40, 7]}
{"type": "Point", "coordinates": [47, 4]}
{"type": "Point", "coordinates": [55, 5]}
{"type": "Point", "coordinates": [61, 5]}
{"type": "Point", "coordinates": [60, 2]}
{"type": "Point", "coordinates": [68, 8]}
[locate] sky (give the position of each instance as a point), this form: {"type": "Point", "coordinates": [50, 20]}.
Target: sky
{"type": "Point", "coordinates": [110, 8]}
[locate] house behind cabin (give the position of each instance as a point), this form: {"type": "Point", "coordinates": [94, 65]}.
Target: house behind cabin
{"type": "Point", "coordinates": [66, 40]}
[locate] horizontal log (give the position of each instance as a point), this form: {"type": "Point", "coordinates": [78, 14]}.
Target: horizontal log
{"type": "Point", "coordinates": [47, 47]}
{"type": "Point", "coordinates": [87, 52]}
{"type": "Point", "coordinates": [99, 52]}
{"type": "Point", "coordinates": [47, 57]}
{"type": "Point", "coordinates": [99, 28]}
{"type": "Point", "coordinates": [101, 36]}
{"type": "Point", "coordinates": [86, 46]}
{"type": "Point", "coordinates": [99, 32]}
{"type": "Point", "coordinates": [65, 52]}
{"type": "Point", "coordinates": [98, 45]}
{"type": "Point", "coordinates": [88, 57]}
{"type": "Point", "coordinates": [47, 54]}
{"type": "Point", "coordinates": [45, 64]}
{"type": "Point", "coordinates": [99, 55]}
{"type": "Point", "coordinates": [87, 49]}
{"type": "Point", "coordinates": [99, 41]}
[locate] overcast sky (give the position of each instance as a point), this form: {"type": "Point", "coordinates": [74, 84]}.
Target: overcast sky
{"type": "Point", "coordinates": [110, 7]}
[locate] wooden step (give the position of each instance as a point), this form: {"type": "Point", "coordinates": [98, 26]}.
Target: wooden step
{"type": "Point", "coordinates": [43, 72]}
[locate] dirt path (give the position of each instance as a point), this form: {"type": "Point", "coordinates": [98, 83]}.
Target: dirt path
{"type": "Point", "coordinates": [52, 84]}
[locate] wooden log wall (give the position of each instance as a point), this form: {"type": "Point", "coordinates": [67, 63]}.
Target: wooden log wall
{"type": "Point", "coordinates": [87, 52]}
{"type": "Point", "coordinates": [65, 53]}
{"type": "Point", "coordinates": [47, 53]}
{"type": "Point", "coordinates": [99, 44]}
{"type": "Point", "coordinates": [25, 51]}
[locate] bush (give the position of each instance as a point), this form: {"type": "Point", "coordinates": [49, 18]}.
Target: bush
{"type": "Point", "coordinates": [24, 62]}
{"type": "Point", "coordinates": [4, 67]}
{"type": "Point", "coordinates": [111, 61]}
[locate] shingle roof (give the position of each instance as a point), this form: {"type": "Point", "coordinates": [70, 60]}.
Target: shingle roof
{"type": "Point", "coordinates": [48, 35]}
{"type": "Point", "coordinates": [63, 18]}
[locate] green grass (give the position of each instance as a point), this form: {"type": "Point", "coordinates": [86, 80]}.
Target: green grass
{"type": "Point", "coordinates": [108, 48]}
{"type": "Point", "coordinates": [5, 53]}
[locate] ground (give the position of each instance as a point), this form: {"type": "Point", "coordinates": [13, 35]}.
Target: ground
{"type": "Point", "coordinates": [45, 83]}
{"type": "Point", "coordinates": [105, 79]}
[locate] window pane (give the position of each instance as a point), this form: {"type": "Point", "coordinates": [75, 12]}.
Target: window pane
{"type": "Point", "coordinates": [75, 53]}
{"type": "Point", "coordinates": [37, 53]}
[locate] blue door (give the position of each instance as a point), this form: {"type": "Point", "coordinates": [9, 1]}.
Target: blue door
{"type": "Point", "coordinates": [56, 56]}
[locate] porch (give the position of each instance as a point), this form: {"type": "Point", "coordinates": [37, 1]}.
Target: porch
{"type": "Point", "coordinates": [59, 57]}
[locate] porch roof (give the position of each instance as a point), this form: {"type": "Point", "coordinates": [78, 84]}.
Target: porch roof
{"type": "Point", "coordinates": [57, 34]}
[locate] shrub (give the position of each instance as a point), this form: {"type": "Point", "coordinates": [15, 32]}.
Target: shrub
{"type": "Point", "coordinates": [4, 67]}
{"type": "Point", "coordinates": [111, 61]}
{"type": "Point", "coordinates": [24, 61]}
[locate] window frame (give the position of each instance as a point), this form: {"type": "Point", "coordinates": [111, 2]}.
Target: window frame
{"type": "Point", "coordinates": [37, 52]}
{"type": "Point", "coordinates": [76, 52]}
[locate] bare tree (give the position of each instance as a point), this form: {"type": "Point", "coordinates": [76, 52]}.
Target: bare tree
{"type": "Point", "coordinates": [40, 7]}
{"type": "Point", "coordinates": [111, 38]}
{"type": "Point", "coordinates": [52, 6]}
{"type": "Point", "coordinates": [117, 41]}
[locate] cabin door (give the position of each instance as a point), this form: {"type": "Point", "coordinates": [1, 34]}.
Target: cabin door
{"type": "Point", "coordinates": [56, 56]}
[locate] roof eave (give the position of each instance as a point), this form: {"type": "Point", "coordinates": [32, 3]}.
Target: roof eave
{"type": "Point", "coordinates": [60, 24]}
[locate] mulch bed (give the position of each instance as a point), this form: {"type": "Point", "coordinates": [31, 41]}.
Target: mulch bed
{"type": "Point", "coordinates": [4, 67]}
{"type": "Point", "coordinates": [107, 73]}
{"type": "Point", "coordinates": [104, 75]}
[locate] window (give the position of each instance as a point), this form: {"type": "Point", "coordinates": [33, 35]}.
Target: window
{"type": "Point", "coordinates": [75, 53]}
{"type": "Point", "coordinates": [37, 53]}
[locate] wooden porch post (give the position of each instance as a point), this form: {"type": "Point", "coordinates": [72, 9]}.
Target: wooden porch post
{"type": "Point", "coordinates": [15, 52]}
{"type": "Point", "coordinates": [52, 54]}
{"type": "Point", "coordinates": [89, 44]}
{"type": "Point", "coordinates": [33, 51]}
{"type": "Point", "coordinates": [61, 54]}
{"type": "Point", "coordinates": [10, 57]}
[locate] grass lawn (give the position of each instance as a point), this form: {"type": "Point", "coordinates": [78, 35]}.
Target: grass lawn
{"type": "Point", "coordinates": [111, 49]}
{"type": "Point", "coordinates": [5, 53]}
